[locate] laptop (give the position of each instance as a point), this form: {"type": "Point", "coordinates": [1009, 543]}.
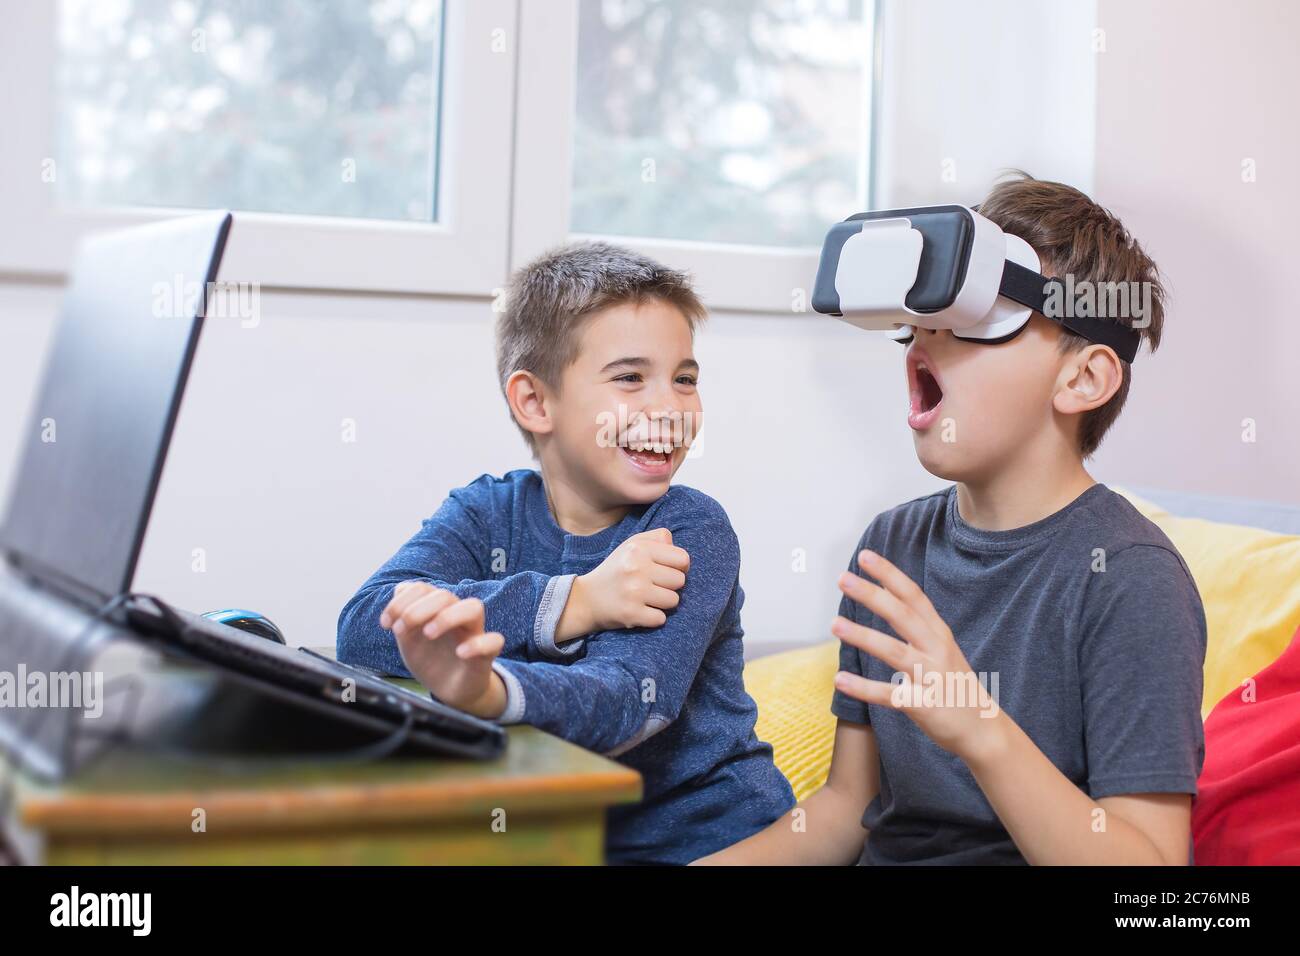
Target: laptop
{"type": "Point", "coordinates": [89, 468]}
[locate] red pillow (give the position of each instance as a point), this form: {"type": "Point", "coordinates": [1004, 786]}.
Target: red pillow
{"type": "Point", "coordinates": [1247, 810]}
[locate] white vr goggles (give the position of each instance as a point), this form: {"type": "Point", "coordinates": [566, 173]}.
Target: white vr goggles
{"type": "Point", "coordinates": [944, 267]}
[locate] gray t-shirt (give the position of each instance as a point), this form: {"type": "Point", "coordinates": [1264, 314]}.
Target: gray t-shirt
{"type": "Point", "coordinates": [1101, 668]}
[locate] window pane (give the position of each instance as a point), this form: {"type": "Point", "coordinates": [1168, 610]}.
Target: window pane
{"type": "Point", "coordinates": [293, 106]}
{"type": "Point", "coordinates": [742, 121]}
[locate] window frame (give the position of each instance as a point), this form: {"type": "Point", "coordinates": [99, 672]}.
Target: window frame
{"type": "Point", "coordinates": [464, 253]}
{"type": "Point", "coordinates": [728, 276]}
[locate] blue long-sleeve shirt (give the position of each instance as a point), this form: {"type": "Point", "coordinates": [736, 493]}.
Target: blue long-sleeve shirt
{"type": "Point", "coordinates": [668, 701]}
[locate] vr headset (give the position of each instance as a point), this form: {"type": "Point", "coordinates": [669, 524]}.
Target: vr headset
{"type": "Point", "coordinates": [945, 267]}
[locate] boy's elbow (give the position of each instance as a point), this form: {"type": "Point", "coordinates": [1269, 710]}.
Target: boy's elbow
{"type": "Point", "coordinates": [345, 643]}
{"type": "Point", "coordinates": [655, 714]}
{"type": "Point", "coordinates": [355, 628]}
{"type": "Point", "coordinates": [651, 726]}
{"type": "Point", "coordinates": [345, 646]}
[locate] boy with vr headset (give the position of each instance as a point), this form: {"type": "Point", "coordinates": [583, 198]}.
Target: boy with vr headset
{"type": "Point", "coordinates": [1021, 653]}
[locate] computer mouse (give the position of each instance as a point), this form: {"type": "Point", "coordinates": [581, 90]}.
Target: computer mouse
{"type": "Point", "coordinates": [248, 621]}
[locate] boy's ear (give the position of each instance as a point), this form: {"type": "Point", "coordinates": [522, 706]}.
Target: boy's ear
{"type": "Point", "coordinates": [1089, 379]}
{"type": "Point", "coordinates": [527, 396]}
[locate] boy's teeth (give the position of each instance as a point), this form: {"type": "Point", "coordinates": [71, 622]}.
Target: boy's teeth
{"type": "Point", "coordinates": [659, 448]}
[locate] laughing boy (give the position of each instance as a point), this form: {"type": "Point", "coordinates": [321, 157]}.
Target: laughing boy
{"type": "Point", "coordinates": [612, 597]}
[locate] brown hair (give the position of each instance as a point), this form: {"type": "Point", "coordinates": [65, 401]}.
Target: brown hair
{"type": "Point", "coordinates": [1075, 236]}
{"type": "Point", "coordinates": [549, 298]}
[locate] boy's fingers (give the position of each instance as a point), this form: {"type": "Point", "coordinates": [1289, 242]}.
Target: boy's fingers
{"type": "Point", "coordinates": [654, 536]}
{"type": "Point", "coordinates": [404, 592]}
{"type": "Point", "coordinates": [480, 646]}
{"type": "Point", "coordinates": [664, 598]}
{"type": "Point", "coordinates": [888, 650]}
{"type": "Point", "coordinates": [899, 584]}
{"type": "Point", "coordinates": [672, 557]}
{"type": "Point", "coordinates": [651, 617]}
{"type": "Point", "coordinates": [867, 691]}
{"type": "Point", "coordinates": [906, 622]}
{"type": "Point", "coordinates": [464, 615]}
{"type": "Point", "coordinates": [424, 606]}
{"type": "Point", "coordinates": [665, 577]}
{"type": "Point", "coordinates": [467, 614]}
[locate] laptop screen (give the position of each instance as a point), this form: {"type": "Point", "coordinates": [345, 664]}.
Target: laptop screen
{"type": "Point", "coordinates": [92, 454]}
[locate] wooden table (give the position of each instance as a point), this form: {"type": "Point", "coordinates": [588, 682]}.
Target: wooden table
{"type": "Point", "coordinates": [543, 802]}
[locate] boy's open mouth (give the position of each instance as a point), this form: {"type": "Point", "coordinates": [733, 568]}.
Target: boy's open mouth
{"type": "Point", "coordinates": [931, 393]}
{"type": "Point", "coordinates": [654, 459]}
{"type": "Point", "coordinates": [925, 392]}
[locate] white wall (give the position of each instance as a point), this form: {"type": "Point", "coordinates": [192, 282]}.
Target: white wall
{"type": "Point", "coordinates": [1183, 100]}
{"type": "Point", "coordinates": [971, 89]}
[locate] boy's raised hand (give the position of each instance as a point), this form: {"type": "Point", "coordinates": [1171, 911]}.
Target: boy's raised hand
{"type": "Point", "coordinates": [634, 587]}
{"type": "Point", "coordinates": [949, 713]}
{"type": "Point", "coordinates": [442, 641]}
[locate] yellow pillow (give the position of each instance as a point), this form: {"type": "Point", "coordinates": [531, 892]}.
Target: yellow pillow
{"type": "Point", "coordinates": [793, 692]}
{"type": "Point", "coordinates": [1249, 581]}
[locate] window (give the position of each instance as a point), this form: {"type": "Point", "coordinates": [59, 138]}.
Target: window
{"type": "Point", "coordinates": [363, 145]}
{"type": "Point", "coordinates": [288, 107]}
{"type": "Point", "coordinates": [739, 122]}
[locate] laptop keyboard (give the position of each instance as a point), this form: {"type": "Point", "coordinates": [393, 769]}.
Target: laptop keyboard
{"type": "Point", "coordinates": [259, 657]}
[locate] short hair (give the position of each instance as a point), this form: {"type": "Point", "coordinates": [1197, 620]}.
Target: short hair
{"type": "Point", "coordinates": [549, 299]}
{"type": "Point", "coordinates": [1076, 236]}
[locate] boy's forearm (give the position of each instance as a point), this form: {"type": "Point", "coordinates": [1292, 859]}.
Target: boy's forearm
{"type": "Point", "coordinates": [823, 830]}
{"type": "Point", "coordinates": [585, 703]}
{"type": "Point", "coordinates": [1050, 819]}
{"type": "Point", "coordinates": [631, 683]}
{"type": "Point", "coordinates": [514, 606]}
{"type": "Point", "coordinates": [492, 703]}
{"type": "Point", "coordinates": [575, 621]}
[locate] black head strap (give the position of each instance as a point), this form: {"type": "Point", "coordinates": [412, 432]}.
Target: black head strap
{"type": "Point", "coordinates": [1031, 289]}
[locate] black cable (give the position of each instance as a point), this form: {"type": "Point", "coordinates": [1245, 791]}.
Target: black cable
{"type": "Point", "coordinates": [384, 747]}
